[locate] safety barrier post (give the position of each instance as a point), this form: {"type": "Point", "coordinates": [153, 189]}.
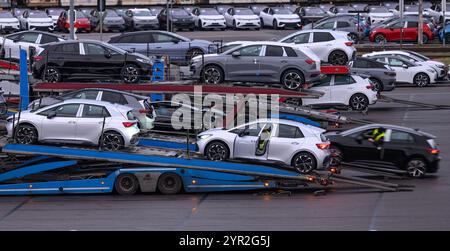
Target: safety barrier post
{"type": "Point", "coordinates": [187, 144]}
{"type": "Point", "coordinates": [24, 89]}
{"type": "Point", "coordinates": [101, 135]}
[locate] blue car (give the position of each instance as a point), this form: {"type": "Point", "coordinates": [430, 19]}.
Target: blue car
{"type": "Point", "coordinates": [446, 29]}
{"type": "Point", "coordinates": [179, 49]}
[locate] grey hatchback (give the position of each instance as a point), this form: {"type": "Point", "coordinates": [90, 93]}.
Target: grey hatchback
{"type": "Point", "coordinates": [381, 75]}
{"type": "Point", "coordinates": [263, 62]}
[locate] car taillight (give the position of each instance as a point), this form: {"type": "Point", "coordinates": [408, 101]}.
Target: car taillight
{"type": "Point", "coordinates": [349, 43]}
{"type": "Point", "coordinates": [370, 86]}
{"type": "Point", "coordinates": [282, 100]}
{"type": "Point", "coordinates": [323, 146]}
{"type": "Point", "coordinates": [310, 61]}
{"type": "Point", "coordinates": [128, 124]}
{"type": "Point", "coordinates": [143, 110]}
{"type": "Point", "coordinates": [37, 58]}
{"type": "Point", "coordinates": [434, 150]}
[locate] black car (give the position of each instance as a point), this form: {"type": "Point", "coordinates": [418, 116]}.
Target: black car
{"type": "Point", "coordinates": [89, 59]}
{"type": "Point", "coordinates": [178, 19]}
{"type": "Point", "coordinates": [407, 149]}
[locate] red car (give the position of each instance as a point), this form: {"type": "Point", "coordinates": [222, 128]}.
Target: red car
{"type": "Point", "coordinates": [82, 23]}
{"type": "Point", "coordinates": [391, 32]}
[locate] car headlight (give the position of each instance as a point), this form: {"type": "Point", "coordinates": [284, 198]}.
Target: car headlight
{"type": "Point", "coordinates": [431, 70]}
{"type": "Point", "coordinates": [175, 20]}
{"type": "Point", "coordinates": [204, 136]}
{"type": "Point", "coordinates": [144, 61]}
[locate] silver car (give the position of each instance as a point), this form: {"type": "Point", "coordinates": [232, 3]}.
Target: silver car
{"type": "Point", "coordinates": [303, 147]}
{"type": "Point", "coordinates": [77, 121]}
{"type": "Point", "coordinates": [264, 62]}
{"type": "Point", "coordinates": [143, 111]}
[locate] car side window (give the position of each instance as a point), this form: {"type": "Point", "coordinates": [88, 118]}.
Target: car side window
{"type": "Point", "coordinates": [70, 48]}
{"type": "Point", "coordinates": [299, 39]}
{"type": "Point", "coordinates": [326, 81]}
{"type": "Point", "coordinates": [141, 38]}
{"type": "Point", "coordinates": [251, 130]}
{"type": "Point", "coordinates": [115, 98]}
{"type": "Point", "coordinates": [288, 131]}
{"type": "Point", "coordinates": [30, 37]}
{"type": "Point", "coordinates": [95, 111]}
{"type": "Point", "coordinates": [360, 64]}
{"type": "Point", "coordinates": [412, 24]}
{"type": "Point", "coordinates": [86, 95]}
{"type": "Point", "coordinates": [401, 137]}
{"type": "Point", "coordinates": [397, 25]}
{"type": "Point", "coordinates": [322, 37]}
{"type": "Point", "coordinates": [125, 39]}
{"type": "Point", "coordinates": [251, 51]}
{"type": "Point", "coordinates": [343, 80]}
{"type": "Point", "coordinates": [163, 38]}
{"type": "Point", "coordinates": [290, 52]}
{"type": "Point", "coordinates": [69, 110]}
{"type": "Point", "coordinates": [328, 25]}
{"type": "Point", "coordinates": [395, 62]}
{"type": "Point", "coordinates": [274, 51]}
{"type": "Point", "coordinates": [342, 24]}
{"type": "Point", "coordinates": [94, 49]}
{"type": "Point", "coordinates": [45, 39]}
{"type": "Point", "coordinates": [381, 60]}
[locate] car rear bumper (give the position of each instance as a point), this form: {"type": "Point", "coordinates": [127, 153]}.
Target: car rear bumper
{"type": "Point", "coordinates": [389, 85]}
{"type": "Point", "coordinates": [183, 25]}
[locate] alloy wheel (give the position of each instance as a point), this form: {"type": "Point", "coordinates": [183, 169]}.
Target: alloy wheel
{"type": "Point", "coordinates": [421, 80]}
{"type": "Point", "coordinates": [216, 152]}
{"type": "Point", "coordinates": [416, 168]}
{"type": "Point", "coordinates": [338, 58]}
{"type": "Point", "coordinates": [380, 39]}
{"type": "Point", "coordinates": [304, 163]}
{"type": "Point", "coordinates": [293, 80]}
{"type": "Point", "coordinates": [212, 75]}
{"type": "Point", "coordinates": [130, 74]}
{"type": "Point", "coordinates": [52, 75]}
{"type": "Point", "coordinates": [112, 141]}
{"type": "Point", "coordinates": [25, 135]}
{"type": "Point", "coordinates": [358, 102]}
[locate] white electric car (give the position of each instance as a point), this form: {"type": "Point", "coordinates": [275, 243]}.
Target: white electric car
{"type": "Point", "coordinates": [36, 19]}
{"type": "Point", "coordinates": [242, 18]}
{"type": "Point", "coordinates": [330, 46]}
{"type": "Point", "coordinates": [407, 71]}
{"type": "Point", "coordinates": [208, 18]}
{"type": "Point", "coordinates": [415, 57]}
{"type": "Point", "coordinates": [303, 147]}
{"type": "Point", "coordinates": [344, 90]}
{"type": "Point", "coordinates": [279, 17]}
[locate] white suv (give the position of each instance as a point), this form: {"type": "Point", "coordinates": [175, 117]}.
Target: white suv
{"type": "Point", "coordinates": [330, 46]}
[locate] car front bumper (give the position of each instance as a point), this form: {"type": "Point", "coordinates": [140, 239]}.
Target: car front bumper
{"type": "Point", "coordinates": [289, 24]}
{"type": "Point", "coordinates": [43, 27]}
{"type": "Point", "coordinates": [114, 26]}
{"type": "Point", "coordinates": [248, 24]}
{"type": "Point", "coordinates": [183, 25]}
{"type": "Point", "coordinates": [146, 25]}
{"type": "Point", "coordinates": [213, 24]}
{"type": "Point", "coordinates": [9, 27]}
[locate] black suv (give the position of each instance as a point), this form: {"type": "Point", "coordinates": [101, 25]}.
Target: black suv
{"type": "Point", "coordinates": [178, 19]}
{"type": "Point", "coordinates": [87, 60]}
{"type": "Point", "coordinates": [404, 148]}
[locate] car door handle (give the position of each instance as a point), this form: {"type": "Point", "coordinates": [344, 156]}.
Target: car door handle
{"type": "Point", "coordinates": [283, 61]}
{"type": "Point", "coordinates": [294, 143]}
{"type": "Point", "coordinates": [253, 141]}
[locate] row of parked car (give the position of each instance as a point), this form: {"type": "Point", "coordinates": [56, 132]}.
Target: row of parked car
{"type": "Point", "coordinates": [378, 22]}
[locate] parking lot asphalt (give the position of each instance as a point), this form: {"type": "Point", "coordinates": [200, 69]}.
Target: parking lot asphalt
{"type": "Point", "coordinates": [344, 207]}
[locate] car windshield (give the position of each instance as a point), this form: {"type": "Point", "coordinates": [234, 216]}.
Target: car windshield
{"type": "Point", "coordinates": [281, 11]}
{"type": "Point", "coordinates": [209, 12]}
{"type": "Point", "coordinates": [243, 12]}
{"type": "Point", "coordinates": [155, 11]}
{"type": "Point", "coordinates": [38, 14]}
{"type": "Point", "coordinates": [142, 13]}
{"type": "Point", "coordinates": [111, 13]}
{"type": "Point", "coordinates": [179, 12]}
{"type": "Point", "coordinates": [379, 9]}
{"type": "Point", "coordinates": [228, 47]}
{"type": "Point", "coordinates": [344, 9]}
{"type": "Point", "coordinates": [6, 15]}
{"type": "Point", "coordinates": [55, 12]}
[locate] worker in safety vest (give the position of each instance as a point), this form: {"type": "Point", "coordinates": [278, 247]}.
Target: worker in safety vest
{"type": "Point", "coordinates": [378, 138]}
{"type": "Point", "coordinates": [263, 139]}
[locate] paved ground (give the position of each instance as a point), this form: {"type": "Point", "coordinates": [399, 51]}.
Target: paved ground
{"type": "Point", "coordinates": [344, 208]}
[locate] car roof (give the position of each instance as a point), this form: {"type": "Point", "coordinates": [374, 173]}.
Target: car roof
{"type": "Point", "coordinates": [261, 43]}
{"type": "Point", "coordinates": [36, 31]}
{"type": "Point", "coordinates": [116, 91]}
{"type": "Point", "coordinates": [95, 102]}
{"type": "Point", "coordinates": [388, 126]}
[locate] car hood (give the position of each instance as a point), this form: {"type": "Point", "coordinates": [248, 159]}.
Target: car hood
{"type": "Point", "coordinates": [246, 17]}
{"type": "Point", "coordinates": [211, 17]}
{"type": "Point", "coordinates": [211, 131]}
{"type": "Point", "coordinates": [145, 18]}
{"type": "Point", "coordinates": [431, 63]}
{"type": "Point", "coordinates": [8, 20]}
{"type": "Point", "coordinates": [40, 20]}
{"type": "Point", "coordinates": [291, 16]}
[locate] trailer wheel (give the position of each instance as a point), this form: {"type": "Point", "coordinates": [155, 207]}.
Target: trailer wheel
{"type": "Point", "coordinates": [126, 184]}
{"type": "Point", "coordinates": [170, 183]}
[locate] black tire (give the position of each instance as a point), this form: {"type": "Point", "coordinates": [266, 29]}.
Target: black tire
{"type": "Point", "coordinates": [425, 38]}
{"type": "Point", "coordinates": [193, 53]}
{"type": "Point", "coordinates": [421, 79]}
{"type": "Point", "coordinates": [292, 79]}
{"type": "Point", "coordinates": [217, 151]}
{"type": "Point", "coordinates": [380, 39]}
{"type": "Point", "coordinates": [359, 102]}
{"type": "Point", "coordinates": [212, 74]}
{"type": "Point", "coordinates": [112, 141]}
{"type": "Point", "coordinates": [275, 24]}
{"type": "Point", "coordinates": [338, 58]}
{"type": "Point", "coordinates": [234, 25]}
{"type": "Point", "coordinates": [3, 109]}
{"type": "Point", "coordinates": [170, 183]}
{"type": "Point", "coordinates": [130, 73]}
{"type": "Point", "coordinates": [25, 134]}
{"type": "Point", "coordinates": [126, 184]}
{"type": "Point", "coordinates": [378, 85]}
{"type": "Point", "coordinates": [416, 167]}
{"type": "Point", "coordinates": [132, 26]}
{"type": "Point", "coordinates": [304, 162]}
{"type": "Point", "coordinates": [51, 74]}
{"type": "Point", "coordinates": [262, 22]}
{"type": "Point", "coordinates": [200, 26]}
{"type": "Point", "coordinates": [336, 156]}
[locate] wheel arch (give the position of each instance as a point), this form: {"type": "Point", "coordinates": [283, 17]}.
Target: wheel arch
{"type": "Point", "coordinates": [221, 67]}
{"type": "Point", "coordinates": [27, 122]}
{"type": "Point", "coordinates": [306, 151]}
{"type": "Point", "coordinates": [110, 130]}
{"type": "Point", "coordinates": [288, 68]}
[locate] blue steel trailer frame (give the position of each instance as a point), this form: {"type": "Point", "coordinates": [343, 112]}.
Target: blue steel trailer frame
{"type": "Point", "coordinates": [197, 175]}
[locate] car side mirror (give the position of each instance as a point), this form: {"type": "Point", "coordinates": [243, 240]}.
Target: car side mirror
{"type": "Point", "coordinates": [175, 41]}
{"type": "Point", "coordinates": [108, 54]}
{"type": "Point", "coordinates": [15, 40]}
{"type": "Point", "coordinates": [359, 139]}
{"type": "Point", "coordinates": [51, 115]}
{"type": "Point", "coordinates": [236, 54]}
{"type": "Point", "coordinates": [405, 66]}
